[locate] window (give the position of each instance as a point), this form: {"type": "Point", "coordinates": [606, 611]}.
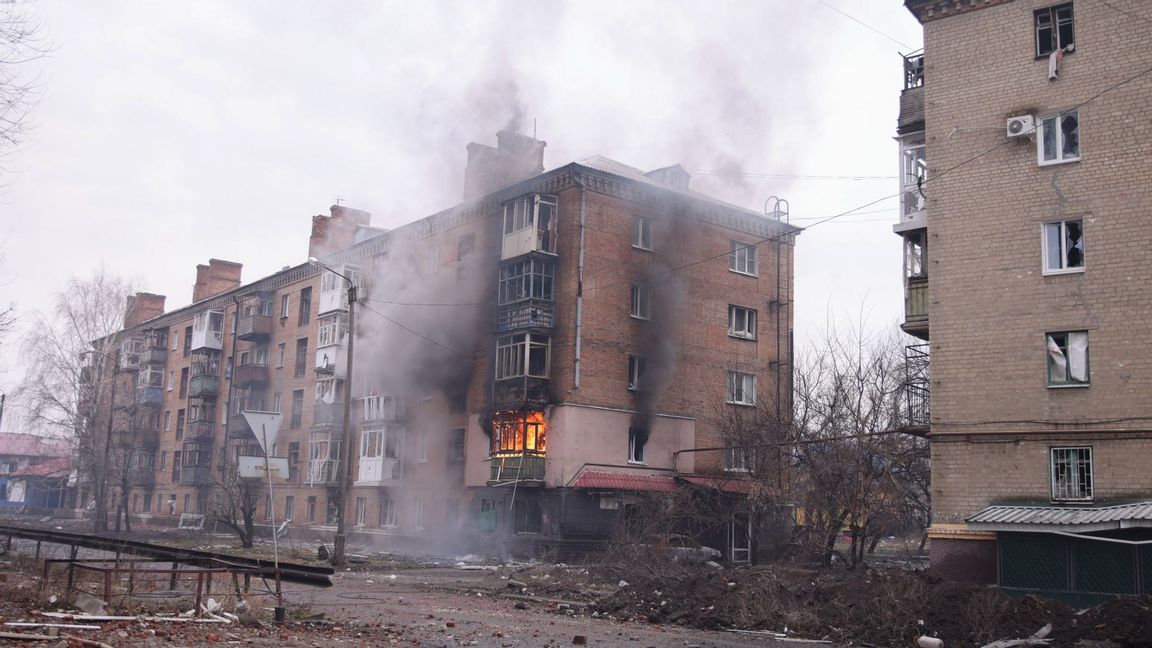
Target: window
{"type": "Point", "coordinates": [184, 382]}
{"type": "Point", "coordinates": [1071, 473]}
{"type": "Point", "coordinates": [527, 279]}
{"type": "Point", "coordinates": [297, 410]}
{"type": "Point", "coordinates": [370, 443]}
{"type": "Point", "coordinates": [293, 458]}
{"type": "Point", "coordinates": [187, 503]}
{"type": "Point", "coordinates": [177, 455]}
{"type": "Point", "coordinates": [387, 511]}
{"type": "Point", "coordinates": [736, 458]}
{"type": "Point", "coordinates": [456, 445]}
{"type": "Point", "coordinates": [516, 433]}
{"type": "Point", "coordinates": [167, 420]}
{"type": "Point", "coordinates": [280, 352]}
{"type": "Point", "coordinates": [175, 336]}
{"type": "Point", "coordinates": [913, 173]}
{"type": "Point", "coordinates": [742, 258]}
{"type": "Point", "coordinates": [310, 508]}
{"type": "Point", "coordinates": [187, 341]}
{"type": "Point", "coordinates": [285, 305]}
{"type": "Point", "coordinates": [636, 367]}
{"type": "Point", "coordinates": [1059, 138]}
{"type": "Point", "coordinates": [1063, 246]}
{"type": "Point", "coordinates": [301, 357]}
{"type": "Point", "coordinates": [171, 379]}
{"type": "Point", "coordinates": [418, 514]}
{"type": "Point", "coordinates": [1053, 28]}
{"type": "Point", "coordinates": [361, 510]}
{"type": "Point", "coordinates": [267, 507]}
{"type": "Point", "coordinates": [422, 446]}
{"type": "Point", "coordinates": [163, 460]}
{"type": "Point", "coordinates": [641, 307]}
{"type": "Point", "coordinates": [1068, 358]}
{"type": "Point", "coordinates": [741, 322]}
{"type": "Point", "coordinates": [147, 503]}
{"type": "Point", "coordinates": [179, 424]}
{"type": "Point", "coordinates": [741, 388]}
{"type": "Point", "coordinates": [305, 305]}
{"type": "Point", "coordinates": [331, 330]}
{"type": "Point", "coordinates": [522, 355]}
{"type": "Point", "coordinates": [637, 439]}
{"type": "Point", "coordinates": [276, 402]}
{"type": "Point", "coordinates": [289, 506]}
{"type": "Point", "coordinates": [465, 244]}
{"type": "Point", "coordinates": [642, 233]}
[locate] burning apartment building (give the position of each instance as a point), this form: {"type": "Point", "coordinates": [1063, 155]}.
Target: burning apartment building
{"type": "Point", "coordinates": [528, 363]}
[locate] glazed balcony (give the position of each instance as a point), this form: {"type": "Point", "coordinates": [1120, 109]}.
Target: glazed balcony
{"type": "Point", "coordinates": [523, 315]}
{"type": "Point", "coordinates": [522, 391]}
{"type": "Point", "coordinates": [328, 415]}
{"type": "Point", "coordinates": [201, 430]}
{"type": "Point", "coordinates": [143, 476]}
{"type": "Point", "coordinates": [195, 475]}
{"type": "Point", "coordinates": [254, 328]}
{"type": "Point", "coordinates": [916, 307]}
{"type": "Point", "coordinates": [516, 469]}
{"type": "Point", "coordinates": [149, 396]}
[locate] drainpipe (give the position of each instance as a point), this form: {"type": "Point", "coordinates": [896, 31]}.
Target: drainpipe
{"type": "Point", "coordinates": [580, 280]}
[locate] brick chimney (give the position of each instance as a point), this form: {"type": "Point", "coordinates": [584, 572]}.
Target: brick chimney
{"type": "Point", "coordinates": [515, 158]}
{"type": "Point", "coordinates": [217, 277]}
{"type": "Point", "coordinates": [335, 232]}
{"type": "Point", "coordinates": [142, 307]}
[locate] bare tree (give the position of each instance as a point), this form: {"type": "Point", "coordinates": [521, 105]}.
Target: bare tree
{"type": "Point", "coordinates": [69, 384]}
{"type": "Point", "coordinates": [20, 43]}
{"type": "Point", "coordinates": [858, 471]}
{"type": "Point", "coordinates": [236, 499]}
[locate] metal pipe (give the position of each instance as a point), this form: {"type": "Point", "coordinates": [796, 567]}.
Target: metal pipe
{"type": "Point", "coordinates": [580, 282]}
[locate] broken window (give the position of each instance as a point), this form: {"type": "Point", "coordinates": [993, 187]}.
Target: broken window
{"type": "Point", "coordinates": [915, 249]}
{"type": "Point", "coordinates": [741, 322]}
{"type": "Point", "coordinates": [1059, 139]}
{"type": "Point", "coordinates": [1067, 358]}
{"type": "Point", "coordinates": [1064, 246]}
{"type": "Point", "coordinates": [1054, 28]}
{"type": "Point", "coordinates": [741, 388]}
{"type": "Point", "coordinates": [519, 433]}
{"type": "Point", "coordinates": [641, 307]}
{"type": "Point", "coordinates": [636, 367]}
{"type": "Point", "coordinates": [913, 173]}
{"type": "Point", "coordinates": [637, 439]}
{"type": "Point", "coordinates": [1071, 473]}
{"type": "Point", "coordinates": [538, 210]}
{"type": "Point", "coordinates": [642, 233]}
{"type": "Point", "coordinates": [742, 258]}
{"type": "Point", "coordinates": [522, 355]}
{"type": "Point", "coordinates": [370, 443]}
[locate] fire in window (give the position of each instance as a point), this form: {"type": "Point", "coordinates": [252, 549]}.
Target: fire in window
{"type": "Point", "coordinates": [516, 433]}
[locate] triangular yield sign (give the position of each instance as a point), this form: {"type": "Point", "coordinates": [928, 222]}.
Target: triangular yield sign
{"type": "Point", "coordinates": [265, 426]}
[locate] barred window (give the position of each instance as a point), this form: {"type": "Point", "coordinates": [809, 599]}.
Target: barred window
{"type": "Point", "coordinates": [1071, 474]}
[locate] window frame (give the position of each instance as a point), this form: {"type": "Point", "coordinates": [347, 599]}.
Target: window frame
{"type": "Point", "coordinates": [642, 233]}
{"type": "Point", "coordinates": [1080, 472]}
{"type": "Point", "coordinates": [285, 305]}
{"type": "Point", "coordinates": [742, 258]}
{"type": "Point", "coordinates": [514, 355]}
{"type": "Point", "coordinates": [750, 322]}
{"type": "Point", "coordinates": [637, 366]}
{"type": "Point", "coordinates": [1054, 22]}
{"type": "Point", "coordinates": [738, 458]}
{"type": "Point", "coordinates": [744, 395]}
{"type": "Point", "coordinates": [636, 449]}
{"type": "Point", "coordinates": [1042, 128]}
{"type": "Point", "coordinates": [1061, 227]}
{"type": "Point", "coordinates": [640, 302]}
{"type": "Point", "coordinates": [1062, 342]}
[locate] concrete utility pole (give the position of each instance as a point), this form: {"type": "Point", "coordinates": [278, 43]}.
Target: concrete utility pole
{"type": "Point", "coordinates": [344, 468]}
{"type": "Point", "coordinates": [100, 520]}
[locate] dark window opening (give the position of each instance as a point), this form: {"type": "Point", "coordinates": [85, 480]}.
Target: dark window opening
{"type": "Point", "coordinates": [1054, 29]}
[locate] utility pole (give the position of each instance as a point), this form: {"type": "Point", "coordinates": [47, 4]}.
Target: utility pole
{"type": "Point", "coordinates": [344, 468]}
{"type": "Point", "coordinates": [100, 522]}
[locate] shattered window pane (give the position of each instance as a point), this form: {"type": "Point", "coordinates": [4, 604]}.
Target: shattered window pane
{"type": "Point", "coordinates": [1067, 358]}
{"type": "Point", "coordinates": [1064, 245]}
{"type": "Point", "coordinates": [1070, 134]}
{"type": "Point", "coordinates": [1060, 138]}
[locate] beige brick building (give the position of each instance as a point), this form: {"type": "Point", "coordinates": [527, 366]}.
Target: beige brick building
{"type": "Point", "coordinates": [525, 361]}
{"type": "Point", "coordinates": [1026, 154]}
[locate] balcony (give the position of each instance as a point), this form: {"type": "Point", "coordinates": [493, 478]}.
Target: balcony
{"type": "Point", "coordinates": [149, 396]}
{"type": "Point", "coordinates": [143, 477]}
{"type": "Point", "coordinates": [201, 430]}
{"type": "Point", "coordinates": [516, 469]}
{"type": "Point", "coordinates": [331, 360]}
{"type": "Point", "coordinates": [154, 356]}
{"type": "Point", "coordinates": [514, 393]}
{"type": "Point", "coordinates": [912, 98]}
{"type": "Point", "coordinates": [204, 386]}
{"type": "Point", "coordinates": [208, 331]}
{"type": "Point", "coordinates": [328, 415]}
{"type": "Point", "coordinates": [528, 314]}
{"type": "Point", "coordinates": [250, 374]}
{"type": "Point", "coordinates": [377, 471]}
{"type": "Point", "coordinates": [195, 475]}
{"type": "Point", "coordinates": [916, 307]}
{"type": "Point", "coordinates": [917, 389]}
{"type": "Point", "coordinates": [323, 471]}
{"type": "Point", "coordinates": [254, 328]}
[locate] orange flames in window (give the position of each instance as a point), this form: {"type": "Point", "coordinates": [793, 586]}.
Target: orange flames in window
{"type": "Point", "coordinates": [519, 433]}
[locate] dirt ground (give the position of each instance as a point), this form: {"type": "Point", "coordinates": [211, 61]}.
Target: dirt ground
{"type": "Point", "coordinates": [393, 600]}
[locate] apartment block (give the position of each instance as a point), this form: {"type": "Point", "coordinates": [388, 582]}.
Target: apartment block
{"type": "Point", "coordinates": [527, 364]}
{"type": "Point", "coordinates": [1024, 141]}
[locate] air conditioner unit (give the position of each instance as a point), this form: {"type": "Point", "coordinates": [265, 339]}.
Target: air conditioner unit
{"type": "Point", "coordinates": [1021, 126]}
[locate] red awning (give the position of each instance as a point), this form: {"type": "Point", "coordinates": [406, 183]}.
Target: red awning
{"type": "Point", "coordinates": [742, 486]}
{"type": "Point", "coordinates": [601, 480]}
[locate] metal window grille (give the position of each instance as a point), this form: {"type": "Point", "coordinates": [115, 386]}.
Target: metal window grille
{"type": "Point", "coordinates": [1071, 473]}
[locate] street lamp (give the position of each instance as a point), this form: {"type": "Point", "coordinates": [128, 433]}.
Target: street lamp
{"type": "Point", "coordinates": [100, 523]}
{"type": "Point", "coordinates": [343, 469]}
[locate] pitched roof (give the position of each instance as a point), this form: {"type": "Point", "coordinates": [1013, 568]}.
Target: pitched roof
{"type": "Point", "coordinates": [57, 467]}
{"type": "Point", "coordinates": [1062, 518]}
{"type": "Point", "coordinates": [603, 480]}
{"type": "Point", "coordinates": [30, 445]}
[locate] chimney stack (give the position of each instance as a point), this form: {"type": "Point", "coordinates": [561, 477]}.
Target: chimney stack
{"type": "Point", "coordinates": [335, 232]}
{"type": "Point", "coordinates": [142, 307]}
{"type": "Point", "coordinates": [515, 158]}
{"type": "Point", "coordinates": [217, 277]}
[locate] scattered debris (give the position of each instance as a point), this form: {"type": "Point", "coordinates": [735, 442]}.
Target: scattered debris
{"type": "Point", "coordinates": [925, 641]}
{"type": "Point", "coordinates": [1038, 638]}
{"type": "Point", "coordinates": [91, 604]}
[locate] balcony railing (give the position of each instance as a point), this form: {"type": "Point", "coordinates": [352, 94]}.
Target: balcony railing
{"type": "Point", "coordinates": [203, 386]}
{"type": "Point", "coordinates": [916, 299]}
{"type": "Point", "coordinates": [250, 374]}
{"type": "Point", "coordinates": [254, 327]}
{"type": "Point", "coordinates": [512, 393]}
{"type": "Point", "coordinates": [917, 386]}
{"type": "Point", "coordinates": [913, 71]}
{"type": "Point", "coordinates": [328, 414]}
{"type": "Point", "coordinates": [144, 477]}
{"type": "Point", "coordinates": [195, 474]}
{"type": "Point", "coordinates": [528, 314]}
{"type": "Point", "coordinates": [517, 468]}
{"type": "Point", "coordinates": [149, 396]}
{"type": "Point", "coordinates": [154, 356]}
{"type": "Point", "coordinates": [201, 429]}
{"type": "Point", "coordinates": [323, 471]}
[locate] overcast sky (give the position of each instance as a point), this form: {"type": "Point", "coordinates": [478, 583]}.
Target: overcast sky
{"type": "Point", "coordinates": [169, 133]}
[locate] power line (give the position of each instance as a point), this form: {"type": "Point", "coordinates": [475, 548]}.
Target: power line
{"type": "Point", "coordinates": [865, 25]}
